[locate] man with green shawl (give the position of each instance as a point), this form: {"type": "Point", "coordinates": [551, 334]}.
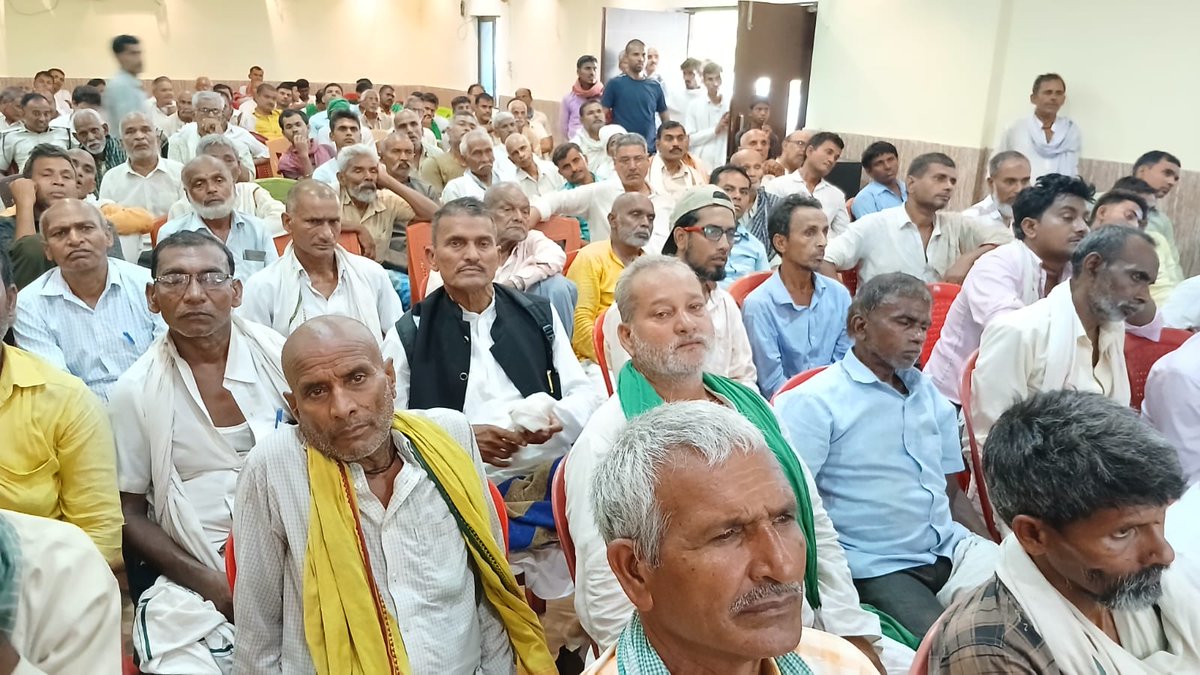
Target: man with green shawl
{"type": "Point", "coordinates": [667, 331]}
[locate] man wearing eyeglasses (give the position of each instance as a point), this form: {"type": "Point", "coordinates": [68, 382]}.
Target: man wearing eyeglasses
{"type": "Point", "coordinates": [702, 233]}
{"type": "Point", "coordinates": [184, 417]}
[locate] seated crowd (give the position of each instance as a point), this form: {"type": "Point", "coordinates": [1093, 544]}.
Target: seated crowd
{"type": "Point", "coordinates": [464, 391]}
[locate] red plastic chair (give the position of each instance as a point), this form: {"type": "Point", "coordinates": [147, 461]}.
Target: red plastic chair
{"type": "Point", "coordinates": [920, 664]}
{"type": "Point", "coordinates": [501, 511]}
{"type": "Point", "coordinates": [985, 504]}
{"type": "Point", "coordinates": [850, 279]}
{"type": "Point", "coordinates": [1140, 356]}
{"type": "Point", "coordinates": [562, 231]}
{"type": "Point", "coordinates": [230, 562]}
{"type": "Point", "coordinates": [943, 297]}
{"type": "Point", "coordinates": [558, 504]}
{"type": "Point", "coordinates": [420, 237]}
{"type": "Point", "coordinates": [348, 240]}
{"type": "Point", "coordinates": [742, 287]}
{"type": "Point", "coordinates": [154, 231]}
{"type": "Point", "coordinates": [570, 259]}
{"type": "Point", "coordinates": [797, 380]}
{"type": "Point", "coordinates": [598, 346]}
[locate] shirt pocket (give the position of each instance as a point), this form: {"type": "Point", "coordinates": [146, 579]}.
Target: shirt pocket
{"type": "Point", "coordinates": [28, 484]}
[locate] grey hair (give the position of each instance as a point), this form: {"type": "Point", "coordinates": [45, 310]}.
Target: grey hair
{"type": "Point", "coordinates": [1061, 456]}
{"type": "Point", "coordinates": [208, 96]}
{"type": "Point", "coordinates": [474, 134]}
{"type": "Point", "coordinates": [882, 288]}
{"type": "Point", "coordinates": [625, 486]}
{"type": "Point", "coordinates": [503, 116]}
{"type": "Point", "coordinates": [137, 114]}
{"type": "Point", "coordinates": [215, 140]}
{"type": "Point", "coordinates": [623, 296]}
{"type": "Point", "coordinates": [622, 140]}
{"type": "Point", "coordinates": [466, 115]}
{"type": "Point", "coordinates": [1000, 158]}
{"type": "Point", "coordinates": [502, 192]}
{"type": "Point", "coordinates": [1108, 243]}
{"type": "Point", "coordinates": [11, 94]}
{"type": "Point", "coordinates": [352, 152]}
{"type": "Point", "coordinates": [87, 114]}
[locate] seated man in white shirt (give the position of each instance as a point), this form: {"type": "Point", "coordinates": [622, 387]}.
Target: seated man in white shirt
{"type": "Point", "coordinates": [702, 234]}
{"type": "Point", "coordinates": [534, 175]}
{"type": "Point", "coordinates": [1172, 403]}
{"type": "Point", "coordinates": [1074, 338]}
{"type": "Point", "coordinates": [529, 261]}
{"type": "Point", "coordinates": [665, 327]}
{"type": "Point", "coordinates": [345, 129]}
{"type": "Point", "coordinates": [824, 151]}
{"type": "Point", "coordinates": [88, 315]}
{"type": "Point", "coordinates": [919, 237]}
{"type": "Point", "coordinates": [477, 149]}
{"type": "Point", "coordinates": [500, 356]}
{"type": "Point", "coordinates": [595, 201]}
{"type": "Point", "coordinates": [673, 169]}
{"type": "Point", "coordinates": [146, 180]}
{"type": "Point", "coordinates": [591, 120]}
{"type": "Point", "coordinates": [210, 112]}
{"type": "Point", "coordinates": [60, 608]}
{"type": "Point", "coordinates": [209, 187]}
{"type": "Point", "coordinates": [184, 417]}
{"type": "Point", "coordinates": [316, 276]}
{"type": "Point", "coordinates": [248, 197]}
{"type": "Point", "coordinates": [1008, 174]}
{"type": "Point", "coordinates": [17, 143]}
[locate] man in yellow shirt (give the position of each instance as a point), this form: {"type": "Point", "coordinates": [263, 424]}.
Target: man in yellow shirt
{"type": "Point", "coordinates": [58, 460]}
{"type": "Point", "coordinates": [597, 265]}
{"type": "Point", "coordinates": [265, 114]}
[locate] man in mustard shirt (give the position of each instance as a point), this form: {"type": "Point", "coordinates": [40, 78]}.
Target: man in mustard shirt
{"type": "Point", "coordinates": [58, 460]}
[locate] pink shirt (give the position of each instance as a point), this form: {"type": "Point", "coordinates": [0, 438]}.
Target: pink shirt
{"type": "Point", "coordinates": [289, 162]}
{"type": "Point", "coordinates": [1006, 278]}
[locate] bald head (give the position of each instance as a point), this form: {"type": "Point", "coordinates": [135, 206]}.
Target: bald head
{"type": "Point", "coordinates": [631, 219]}
{"type": "Point", "coordinates": [756, 139]}
{"type": "Point", "coordinates": [322, 336]}
{"type": "Point", "coordinates": [750, 161]}
{"type": "Point", "coordinates": [70, 209]}
{"type": "Point", "coordinates": [204, 163]}
{"type": "Point", "coordinates": [309, 189]}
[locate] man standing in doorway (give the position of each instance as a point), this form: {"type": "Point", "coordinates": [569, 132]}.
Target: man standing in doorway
{"type": "Point", "coordinates": [632, 100]}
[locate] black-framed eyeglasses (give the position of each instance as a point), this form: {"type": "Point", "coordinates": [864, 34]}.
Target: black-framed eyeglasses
{"type": "Point", "coordinates": [714, 232]}
{"type": "Point", "coordinates": [178, 281]}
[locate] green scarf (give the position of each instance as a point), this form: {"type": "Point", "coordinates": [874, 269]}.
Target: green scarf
{"type": "Point", "coordinates": [636, 656]}
{"type": "Point", "coordinates": [637, 396]}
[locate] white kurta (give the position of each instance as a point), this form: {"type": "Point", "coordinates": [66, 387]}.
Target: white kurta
{"type": "Point", "coordinates": [833, 200]}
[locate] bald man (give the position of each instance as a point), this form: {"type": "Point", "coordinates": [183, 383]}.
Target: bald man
{"type": "Point", "coordinates": [535, 176]}
{"type": "Point", "coordinates": [756, 139]}
{"type": "Point", "coordinates": [88, 314]}
{"type": "Point", "coordinates": [210, 188]}
{"type": "Point", "coordinates": [419, 511]}
{"type": "Point", "coordinates": [598, 265]}
{"type": "Point", "coordinates": [184, 417]}
{"type": "Point", "coordinates": [203, 83]}
{"type": "Point", "coordinates": [754, 218]}
{"type": "Point", "coordinates": [316, 276]}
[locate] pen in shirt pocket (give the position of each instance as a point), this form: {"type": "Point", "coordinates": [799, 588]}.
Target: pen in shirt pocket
{"type": "Point", "coordinates": [278, 417]}
{"type": "Point", "coordinates": [130, 338]}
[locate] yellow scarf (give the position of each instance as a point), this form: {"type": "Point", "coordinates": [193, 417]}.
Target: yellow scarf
{"type": "Point", "coordinates": [346, 623]}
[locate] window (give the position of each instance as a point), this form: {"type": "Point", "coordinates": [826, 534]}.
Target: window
{"type": "Point", "coordinates": [487, 52]}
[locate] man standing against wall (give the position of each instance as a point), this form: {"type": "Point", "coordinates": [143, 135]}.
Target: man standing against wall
{"type": "Point", "coordinates": [1050, 141]}
{"type": "Point", "coordinates": [632, 100]}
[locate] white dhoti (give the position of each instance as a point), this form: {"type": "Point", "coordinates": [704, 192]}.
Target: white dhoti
{"type": "Point", "coordinates": [177, 631]}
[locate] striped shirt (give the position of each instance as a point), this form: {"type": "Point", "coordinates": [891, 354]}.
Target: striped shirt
{"type": "Point", "coordinates": [96, 345]}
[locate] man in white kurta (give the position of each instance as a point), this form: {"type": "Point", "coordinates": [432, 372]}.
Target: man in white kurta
{"type": "Point", "coordinates": [1074, 338]}
{"type": "Point", "coordinates": [654, 284]}
{"type": "Point", "coordinates": [184, 416]}
{"type": "Point", "coordinates": [1050, 141]}
{"type": "Point", "coordinates": [316, 276]}
{"type": "Point", "coordinates": [248, 197]}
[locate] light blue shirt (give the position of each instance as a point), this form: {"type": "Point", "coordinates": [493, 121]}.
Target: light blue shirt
{"type": "Point", "coordinates": [876, 197]}
{"type": "Point", "coordinates": [251, 245]}
{"type": "Point", "coordinates": [95, 345]}
{"type": "Point", "coordinates": [879, 459]}
{"type": "Point", "coordinates": [787, 338]}
{"type": "Point", "coordinates": [747, 255]}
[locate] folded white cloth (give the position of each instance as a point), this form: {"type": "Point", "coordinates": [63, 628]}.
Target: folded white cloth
{"type": "Point", "coordinates": [533, 413]}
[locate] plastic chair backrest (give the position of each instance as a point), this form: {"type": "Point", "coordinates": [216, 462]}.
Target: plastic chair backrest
{"type": "Point", "coordinates": [964, 393]}
{"type": "Point", "coordinates": [598, 346]}
{"type": "Point", "coordinates": [380, 134]}
{"type": "Point", "coordinates": [742, 287]}
{"type": "Point", "coordinates": [501, 511]}
{"type": "Point", "coordinates": [920, 663]}
{"type": "Point", "coordinates": [277, 187]}
{"type": "Point", "coordinates": [1141, 355]}
{"type": "Point", "coordinates": [230, 562]}
{"type": "Point", "coordinates": [348, 240]}
{"type": "Point", "coordinates": [275, 149]}
{"type": "Point", "coordinates": [850, 279]}
{"type": "Point", "coordinates": [570, 259]}
{"type": "Point", "coordinates": [420, 237]}
{"type": "Point", "coordinates": [154, 231]}
{"type": "Point", "coordinates": [797, 380]}
{"type": "Point", "coordinates": [558, 505]}
{"type": "Point", "coordinates": [943, 297]}
{"type": "Point", "coordinates": [562, 231]}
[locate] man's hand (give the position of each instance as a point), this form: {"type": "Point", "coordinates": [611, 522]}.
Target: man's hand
{"type": "Point", "coordinates": [24, 192]}
{"type": "Point", "coordinates": [300, 142]}
{"type": "Point", "coordinates": [864, 646]}
{"type": "Point", "coordinates": [214, 587]}
{"type": "Point", "coordinates": [208, 125]}
{"type": "Point", "coordinates": [772, 167]}
{"type": "Point", "coordinates": [723, 125]}
{"type": "Point", "coordinates": [958, 271]}
{"type": "Point", "coordinates": [497, 445]}
{"type": "Point", "coordinates": [367, 243]}
{"type": "Point", "coordinates": [544, 435]}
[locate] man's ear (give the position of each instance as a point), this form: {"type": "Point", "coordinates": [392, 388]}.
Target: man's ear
{"type": "Point", "coordinates": [625, 337]}
{"type": "Point", "coordinates": [1032, 533]}
{"type": "Point", "coordinates": [632, 573]}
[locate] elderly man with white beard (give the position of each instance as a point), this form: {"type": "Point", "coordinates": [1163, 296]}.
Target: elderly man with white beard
{"type": "Point", "coordinates": [209, 187]}
{"type": "Point", "coordinates": [1008, 174]}
{"type": "Point", "coordinates": [374, 203]}
{"type": "Point", "coordinates": [91, 131]}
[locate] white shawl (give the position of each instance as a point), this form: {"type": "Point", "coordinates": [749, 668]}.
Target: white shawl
{"type": "Point", "coordinates": [1061, 144]}
{"type": "Point", "coordinates": [1080, 647]}
{"type": "Point", "coordinates": [364, 305]}
{"type": "Point", "coordinates": [1061, 351]}
{"type": "Point", "coordinates": [171, 508]}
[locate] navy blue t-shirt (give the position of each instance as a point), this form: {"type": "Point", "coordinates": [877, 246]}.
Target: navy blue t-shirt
{"type": "Point", "coordinates": [635, 104]}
